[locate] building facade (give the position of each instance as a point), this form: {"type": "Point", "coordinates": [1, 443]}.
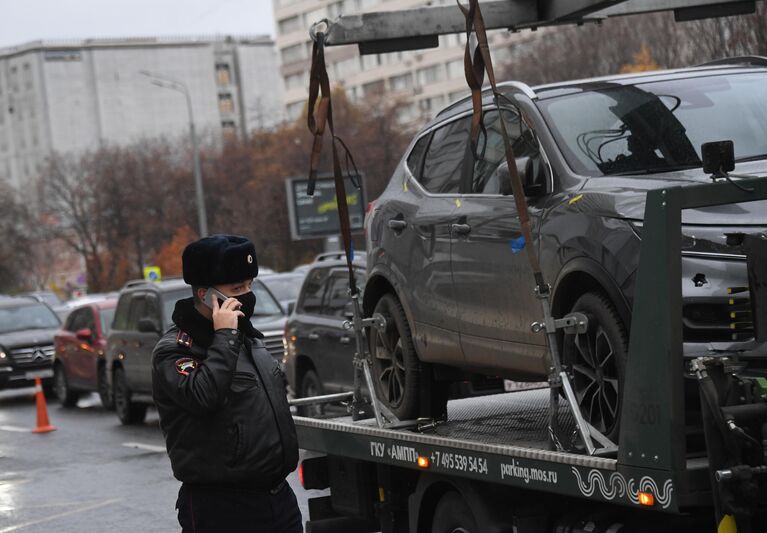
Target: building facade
{"type": "Point", "coordinates": [426, 79]}
{"type": "Point", "coordinates": [72, 96]}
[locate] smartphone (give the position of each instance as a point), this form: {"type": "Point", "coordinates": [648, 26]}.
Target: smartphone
{"type": "Point", "coordinates": [210, 294]}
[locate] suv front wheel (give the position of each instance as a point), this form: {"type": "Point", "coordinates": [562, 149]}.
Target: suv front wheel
{"type": "Point", "coordinates": [127, 411]}
{"type": "Point", "coordinates": [597, 363]}
{"type": "Point", "coordinates": [402, 382]}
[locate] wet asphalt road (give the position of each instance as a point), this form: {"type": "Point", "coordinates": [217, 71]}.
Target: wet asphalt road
{"type": "Point", "coordinates": [90, 475]}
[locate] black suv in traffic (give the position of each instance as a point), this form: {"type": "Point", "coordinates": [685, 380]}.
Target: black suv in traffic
{"type": "Point", "coordinates": [27, 327]}
{"type": "Point", "coordinates": [446, 260]}
{"type": "Point", "coordinates": [318, 350]}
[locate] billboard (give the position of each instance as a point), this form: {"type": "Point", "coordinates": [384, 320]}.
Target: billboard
{"type": "Point", "coordinates": [313, 217]}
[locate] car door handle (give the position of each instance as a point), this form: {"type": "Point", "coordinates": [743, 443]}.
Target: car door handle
{"type": "Point", "coordinates": [314, 336]}
{"type": "Point", "coordinates": [460, 229]}
{"type": "Point", "coordinates": [397, 225]}
{"type": "Point", "coordinates": [345, 339]}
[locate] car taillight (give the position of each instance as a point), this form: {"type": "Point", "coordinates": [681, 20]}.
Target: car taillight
{"type": "Point", "coordinates": [371, 207]}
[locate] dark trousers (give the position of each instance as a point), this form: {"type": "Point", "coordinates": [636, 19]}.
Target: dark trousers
{"type": "Point", "coordinates": [229, 510]}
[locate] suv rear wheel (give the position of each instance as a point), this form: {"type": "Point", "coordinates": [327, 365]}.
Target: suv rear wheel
{"type": "Point", "coordinates": [66, 396]}
{"type": "Point", "coordinates": [597, 363]}
{"type": "Point", "coordinates": [127, 411]}
{"type": "Point", "coordinates": [402, 382]}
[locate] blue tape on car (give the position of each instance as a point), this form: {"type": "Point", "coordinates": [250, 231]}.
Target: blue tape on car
{"type": "Point", "coordinates": [351, 248]}
{"type": "Point", "coordinates": [517, 244]}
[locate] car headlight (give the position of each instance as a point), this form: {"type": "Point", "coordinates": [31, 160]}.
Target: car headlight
{"type": "Point", "coordinates": [4, 359]}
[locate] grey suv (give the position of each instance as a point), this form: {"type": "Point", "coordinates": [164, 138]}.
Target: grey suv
{"type": "Point", "coordinates": [144, 311]}
{"type": "Point", "coordinates": [446, 261]}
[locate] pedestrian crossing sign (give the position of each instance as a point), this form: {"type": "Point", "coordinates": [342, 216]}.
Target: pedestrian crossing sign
{"type": "Point", "coordinates": [152, 273]}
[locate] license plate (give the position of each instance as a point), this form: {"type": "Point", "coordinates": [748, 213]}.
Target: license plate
{"type": "Point", "coordinates": [32, 374]}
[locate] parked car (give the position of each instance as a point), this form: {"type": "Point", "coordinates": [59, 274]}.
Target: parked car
{"type": "Point", "coordinates": [144, 311]}
{"type": "Point", "coordinates": [319, 351]}
{"type": "Point", "coordinates": [80, 364]}
{"type": "Point", "coordinates": [284, 286]}
{"type": "Point", "coordinates": [446, 260]}
{"type": "Point", "coordinates": [27, 327]}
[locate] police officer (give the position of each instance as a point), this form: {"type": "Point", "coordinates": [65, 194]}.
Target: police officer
{"type": "Point", "coordinates": [221, 400]}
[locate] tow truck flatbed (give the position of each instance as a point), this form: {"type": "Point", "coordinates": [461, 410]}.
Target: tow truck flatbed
{"type": "Point", "coordinates": [501, 438]}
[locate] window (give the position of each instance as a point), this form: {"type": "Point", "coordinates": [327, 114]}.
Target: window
{"type": "Point", "coordinates": [296, 81]}
{"type": "Point", "coordinates": [75, 320]}
{"type": "Point", "coordinates": [136, 311]}
{"type": "Point", "coordinates": [290, 24]}
{"type": "Point", "coordinates": [374, 88]}
{"type": "Point", "coordinates": [152, 309]}
{"type": "Point", "coordinates": [311, 299]}
{"type": "Point", "coordinates": [402, 82]}
{"type": "Point", "coordinates": [443, 165]}
{"type": "Point", "coordinates": [416, 156]}
{"type": "Point", "coordinates": [121, 314]}
{"type": "Point", "coordinates": [429, 74]}
{"type": "Point", "coordinates": [346, 67]}
{"type": "Point", "coordinates": [106, 316]}
{"type": "Point", "coordinates": [337, 300]}
{"type": "Point", "coordinates": [223, 74]}
{"type": "Point", "coordinates": [295, 109]}
{"type": "Point", "coordinates": [225, 103]}
{"type": "Point", "coordinates": [228, 128]}
{"type": "Point", "coordinates": [266, 305]}
{"type": "Point", "coordinates": [291, 54]}
{"type": "Point", "coordinates": [455, 69]}
{"type": "Point", "coordinates": [370, 61]}
{"type": "Point", "coordinates": [431, 105]}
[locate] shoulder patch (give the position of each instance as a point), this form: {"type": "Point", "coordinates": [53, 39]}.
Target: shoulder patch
{"type": "Point", "coordinates": [185, 365]}
{"type": "Point", "coordinates": [184, 339]}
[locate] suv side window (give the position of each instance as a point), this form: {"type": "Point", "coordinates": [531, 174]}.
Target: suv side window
{"type": "Point", "coordinates": [492, 152]}
{"type": "Point", "coordinates": [88, 320]}
{"type": "Point", "coordinates": [120, 322]}
{"type": "Point", "coordinates": [136, 312]}
{"type": "Point", "coordinates": [75, 321]}
{"type": "Point", "coordinates": [153, 309]}
{"type": "Point", "coordinates": [311, 298]}
{"type": "Point", "coordinates": [444, 163]}
{"type": "Point", "coordinates": [337, 294]}
{"type": "Point", "coordinates": [416, 156]}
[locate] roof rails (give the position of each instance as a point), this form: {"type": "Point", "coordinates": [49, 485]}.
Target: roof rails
{"type": "Point", "coordinates": [755, 61]}
{"type": "Point", "coordinates": [330, 256]}
{"type": "Point", "coordinates": [521, 87]}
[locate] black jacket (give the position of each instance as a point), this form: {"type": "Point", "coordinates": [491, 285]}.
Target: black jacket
{"type": "Point", "coordinates": [222, 405]}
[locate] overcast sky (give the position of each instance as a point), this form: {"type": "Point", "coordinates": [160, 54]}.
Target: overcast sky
{"type": "Point", "coordinates": [29, 20]}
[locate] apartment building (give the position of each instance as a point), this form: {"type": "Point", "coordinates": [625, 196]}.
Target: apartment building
{"type": "Point", "coordinates": [426, 79]}
{"type": "Point", "coordinates": [71, 96]}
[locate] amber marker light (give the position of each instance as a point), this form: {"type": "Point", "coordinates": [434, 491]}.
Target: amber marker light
{"type": "Point", "coordinates": [647, 499]}
{"type": "Point", "coordinates": [423, 462]}
{"type": "Point", "coordinates": [301, 474]}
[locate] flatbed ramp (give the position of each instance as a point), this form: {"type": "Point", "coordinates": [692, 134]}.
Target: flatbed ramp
{"type": "Point", "coordinates": [501, 438]}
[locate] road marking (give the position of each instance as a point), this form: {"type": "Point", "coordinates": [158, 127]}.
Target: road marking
{"type": "Point", "coordinates": [15, 428]}
{"type": "Point", "coordinates": [141, 446]}
{"type": "Point", "coordinates": [60, 515]}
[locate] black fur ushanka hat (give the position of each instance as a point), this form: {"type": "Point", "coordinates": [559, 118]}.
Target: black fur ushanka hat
{"type": "Point", "coordinates": [219, 259]}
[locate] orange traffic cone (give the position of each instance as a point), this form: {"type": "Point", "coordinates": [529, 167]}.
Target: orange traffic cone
{"type": "Point", "coordinates": [43, 425]}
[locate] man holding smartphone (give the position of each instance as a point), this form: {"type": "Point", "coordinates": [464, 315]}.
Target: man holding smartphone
{"type": "Point", "coordinates": [221, 400]}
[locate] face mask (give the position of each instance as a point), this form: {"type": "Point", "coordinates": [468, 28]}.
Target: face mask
{"type": "Point", "coordinates": [248, 301]}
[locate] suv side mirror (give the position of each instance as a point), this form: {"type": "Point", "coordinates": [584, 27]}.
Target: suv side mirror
{"type": "Point", "coordinates": [85, 335]}
{"type": "Point", "coordinates": [718, 157]}
{"type": "Point", "coordinates": [531, 173]}
{"type": "Point", "coordinates": [148, 325]}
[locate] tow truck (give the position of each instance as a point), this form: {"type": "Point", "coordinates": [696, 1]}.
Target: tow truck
{"type": "Point", "coordinates": [692, 449]}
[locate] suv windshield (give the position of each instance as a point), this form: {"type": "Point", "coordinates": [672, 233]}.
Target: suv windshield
{"type": "Point", "coordinates": [32, 316]}
{"type": "Point", "coordinates": [659, 126]}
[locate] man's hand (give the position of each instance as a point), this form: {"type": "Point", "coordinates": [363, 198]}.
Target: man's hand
{"type": "Point", "coordinates": [225, 316]}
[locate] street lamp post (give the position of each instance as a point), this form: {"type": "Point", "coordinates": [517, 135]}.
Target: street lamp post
{"type": "Point", "coordinates": [174, 85]}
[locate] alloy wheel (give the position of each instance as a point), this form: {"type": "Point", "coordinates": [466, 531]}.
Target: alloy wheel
{"type": "Point", "coordinates": [595, 377]}
{"type": "Point", "coordinates": [391, 362]}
